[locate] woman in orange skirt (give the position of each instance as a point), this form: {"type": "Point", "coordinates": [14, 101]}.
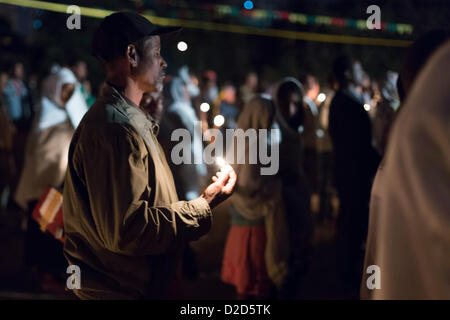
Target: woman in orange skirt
{"type": "Point", "coordinates": [256, 248]}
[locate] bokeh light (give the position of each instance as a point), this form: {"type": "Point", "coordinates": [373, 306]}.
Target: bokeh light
{"type": "Point", "coordinates": [205, 107]}
{"type": "Point", "coordinates": [248, 5]}
{"type": "Point", "coordinates": [182, 46]}
{"type": "Point", "coordinates": [321, 97]}
{"type": "Point", "coordinates": [219, 120]}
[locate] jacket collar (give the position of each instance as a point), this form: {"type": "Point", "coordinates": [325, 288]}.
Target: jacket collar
{"type": "Point", "coordinates": [140, 120]}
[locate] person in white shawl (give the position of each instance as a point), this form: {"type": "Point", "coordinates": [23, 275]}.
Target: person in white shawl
{"type": "Point", "coordinates": [409, 238]}
{"type": "Point", "coordinates": [46, 160]}
{"type": "Point", "coordinates": [48, 143]}
{"type": "Point", "coordinates": [181, 114]}
{"type": "Point", "coordinates": [257, 247]}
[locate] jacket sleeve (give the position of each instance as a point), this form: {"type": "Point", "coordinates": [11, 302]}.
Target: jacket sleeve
{"type": "Point", "coordinates": [114, 166]}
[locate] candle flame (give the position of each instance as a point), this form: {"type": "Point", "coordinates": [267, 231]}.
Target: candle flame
{"type": "Point", "coordinates": [221, 162]}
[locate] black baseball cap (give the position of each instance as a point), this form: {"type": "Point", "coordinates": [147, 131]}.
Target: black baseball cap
{"type": "Point", "coordinates": [120, 29]}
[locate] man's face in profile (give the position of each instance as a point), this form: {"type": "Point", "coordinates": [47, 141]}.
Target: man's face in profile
{"type": "Point", "coordinates": [151, 66]}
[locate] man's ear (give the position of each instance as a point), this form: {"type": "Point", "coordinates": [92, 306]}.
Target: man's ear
{"type": "Point", "coordinates": [132, 55]}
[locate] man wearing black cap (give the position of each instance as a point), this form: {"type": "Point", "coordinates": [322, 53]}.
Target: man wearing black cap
{"type": "Point", "coordinates": [124, 225]}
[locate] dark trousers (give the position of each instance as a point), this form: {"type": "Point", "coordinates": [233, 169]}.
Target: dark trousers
{"type": "Point", "coordinates": [300, 227]}
{"type": "Point", "coordinates": [325, 184]}
{"type": "Point", "coordinates": [42, 250]}
{"type": "Point", "coordinates": [352, 231]}
{"type": "Point", "coordinates": [310, 168]}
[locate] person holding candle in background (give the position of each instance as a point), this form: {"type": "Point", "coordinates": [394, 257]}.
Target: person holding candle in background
{"type": "Point", "coordinates": [256, 251]}
{"type": "Point", "coordinates": [290, 118]}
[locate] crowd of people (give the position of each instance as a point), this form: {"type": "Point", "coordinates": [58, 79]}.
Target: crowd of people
{"type": "Point", "coordinates": [334, 135]}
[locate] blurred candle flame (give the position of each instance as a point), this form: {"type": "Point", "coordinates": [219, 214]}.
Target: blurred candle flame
{"type": "Point", "coordinates": [221, 162]}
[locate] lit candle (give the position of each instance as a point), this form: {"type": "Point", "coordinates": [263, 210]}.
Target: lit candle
{"type": "Point", "coordinates": [221, 162]}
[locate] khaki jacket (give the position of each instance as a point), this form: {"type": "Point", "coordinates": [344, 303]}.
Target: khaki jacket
{"type": "Point", "coordinates": [125, 227]}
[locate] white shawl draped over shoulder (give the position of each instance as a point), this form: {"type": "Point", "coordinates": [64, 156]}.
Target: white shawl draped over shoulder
{"type": "Point", "coordinates": [409, 228]}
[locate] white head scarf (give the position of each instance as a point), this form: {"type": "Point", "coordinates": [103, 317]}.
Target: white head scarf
{"type": "Point", "coordinates": [54, 83]}
{"type": "Point", "coordinates": [191, 87]}
{"type": "Point", "coordinates": [183, 107]}
{"type": "Point", "coordinates": [52, 107]}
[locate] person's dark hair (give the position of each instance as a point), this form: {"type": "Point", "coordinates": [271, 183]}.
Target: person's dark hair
{"type": "Point", "coordinates": [342, 64]}
{"type": "Point", "coordinates": [227, 85]}
{"type": "Point", "coordinates": [285, 89]}
{"type": "Point", "coordinates": [417, 56]}
{"type": "Point", "coordinates": [71, 58]}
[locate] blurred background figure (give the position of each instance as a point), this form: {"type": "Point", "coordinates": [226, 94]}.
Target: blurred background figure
{"type": "Point", "coordinates": [228, 108]}
{"type": "Point", "coordinates": [365, 89]}
{"type": "Point", "coordinates": [7, 165]}
{"type": "Point", "coordinates": [325, 157]}
{"type": "Point", "coordinates": [19, 111]}
{"type": "Point", "coordinates": [34, 90]}
{"type": "Point", "coordinates": [386, 109]}
{"type": "Point", "coordinates": [45, 166]}
{"type": "Point", "coordinates": [4, 77]}
{"type": "Point", "coordinates": [256, 253]}
{"type": "Point", "coordinates": [190, 80]}
{"type": "Point", "coordinates": [16, 98]}
{"type": "Point", "coordinates": [80, 70]}
{"type": "Point", "coordinates": [355, 161]}
{"type": "Point", "coordinates": [248, 89]}
{"type": "Point", "coordinates": [209, 94]}
{"type": "Point", "coordinates": [77, 106]}
{"type": "Point", "coordinates": [289, 118]}
{"type": "Point", "coordinates": [310, 138]}
{"type": "Point", "coordinates": [180, 114]}
{"type": "Point", "coordinates": [208, 86]}
{"type": "Point", "coordinates": [87, 87]}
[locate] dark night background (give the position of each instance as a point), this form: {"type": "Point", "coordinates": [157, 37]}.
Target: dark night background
{"type": "Point", "coordinates": [231, 55]}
